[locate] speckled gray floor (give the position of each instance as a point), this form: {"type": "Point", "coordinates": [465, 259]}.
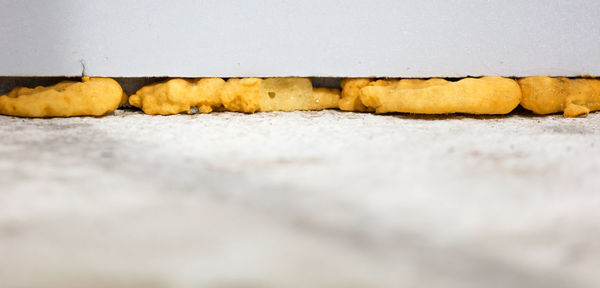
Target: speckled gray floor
{"type": "Point", "coordinates": [302, 199]}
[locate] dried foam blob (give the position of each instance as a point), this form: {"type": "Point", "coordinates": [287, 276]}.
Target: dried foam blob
{"type": "Point", "coordinates": [91, 97]}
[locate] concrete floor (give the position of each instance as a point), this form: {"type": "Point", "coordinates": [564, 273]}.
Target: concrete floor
{"type": "Point", "coordinates": [302, 199]}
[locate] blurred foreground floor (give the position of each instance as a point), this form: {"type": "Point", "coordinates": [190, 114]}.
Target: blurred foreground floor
{"type": "Point", "coordinates": [302, 199]}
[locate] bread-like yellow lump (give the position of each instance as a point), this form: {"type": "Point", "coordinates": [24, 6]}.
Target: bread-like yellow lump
{"type": "Point", "coordinates": [350, 100]}
{"type": "Point", "coordinates": [179, 95]}
{"type": "Point", "coordinates": [486, 95]}
{"type": "Point", "coordinates": [277, 94]}
{"type": "Point", "coordinates": [574, 97]}
{"type": "Point", "coordinates": [247, 95]}
{"type": "Point", "coordinates": [91, 97]}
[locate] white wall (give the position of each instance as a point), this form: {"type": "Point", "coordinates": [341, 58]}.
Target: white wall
{"type": "Point", "coordinates": [300, 38]}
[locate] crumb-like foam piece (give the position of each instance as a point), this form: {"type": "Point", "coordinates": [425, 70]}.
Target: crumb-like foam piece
{"type": "Point", "coordinates": [324, 98]}
{"type": "Point", "coordinates": [573, 97]}
{"type": "Point", "coordinates": [277, 94]}
{"type": "Point", "coordinates": [486, 95]}
{"type": "Point", "coordinates": [350, 100]}
{"type": "Point", "coordinates": [246, 95]}
{"type": "Point", "coordinates": [242, 95]}
{"type": "Point", "coordinates": [91, 97]}
{"type": "Point", "coordinates": [179, 95]}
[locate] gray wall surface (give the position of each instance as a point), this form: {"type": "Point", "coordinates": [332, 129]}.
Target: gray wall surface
{"type": "Point", "coordinates": [299, 38]}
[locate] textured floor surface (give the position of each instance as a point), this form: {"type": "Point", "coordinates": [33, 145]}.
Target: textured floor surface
{"type": "Point", "coordinates": [303, 199]}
